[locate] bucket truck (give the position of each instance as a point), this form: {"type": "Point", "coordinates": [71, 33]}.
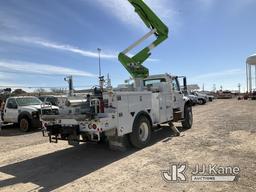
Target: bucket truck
{"type": "Point", "coordinates": [127, 115]}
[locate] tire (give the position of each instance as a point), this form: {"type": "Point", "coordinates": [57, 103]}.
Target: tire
{"type": "Point", "coordinates": [141, 132]}
{"type": "Point", "coordinates": [201, 102]}
{"type": "Point", "coordinates": [188, 117]}
{"type": "Point", "coordinates": [24, 124]}
{"type": "Point", "coordinates": [2, 115]}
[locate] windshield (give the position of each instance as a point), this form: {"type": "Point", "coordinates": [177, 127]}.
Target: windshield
{"type": "Point", "coordinates": [28, 101]}
{"type": "Point", "coordinates": [151, 82]}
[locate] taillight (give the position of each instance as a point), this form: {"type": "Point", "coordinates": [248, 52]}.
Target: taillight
{"type": "Point", "coordinates": [92, 126]}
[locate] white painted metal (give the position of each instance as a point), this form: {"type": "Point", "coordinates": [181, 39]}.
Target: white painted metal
{"type": "Point", "coordinates": [139, 41]}
{"type": "Point", "coordinates": [144, 131]}
{"type": "Point", "coordinates": [157, 101]}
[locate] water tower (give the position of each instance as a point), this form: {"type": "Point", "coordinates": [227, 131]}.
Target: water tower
{"type": "Point", "coordinates": [250, 67]}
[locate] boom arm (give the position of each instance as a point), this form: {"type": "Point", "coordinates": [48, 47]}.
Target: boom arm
{"type": "Point", "coordinates": [134, 64]}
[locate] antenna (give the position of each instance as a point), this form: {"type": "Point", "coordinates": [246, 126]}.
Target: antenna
{"type": "Point", "coordinates": [239, 88]}
{"type": "Point", "coordinates": [99, 51]}
{"type": "Point", "coordinates": [214, 88]}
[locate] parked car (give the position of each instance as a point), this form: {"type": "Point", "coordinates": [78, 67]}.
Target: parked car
{"type": "Point", "coordinates": [201, 98]}
{"type": "Point", "coordinates": [225, 95]}
{"type": "Point", "coordinates": [209, 95]}
{"type": "Point", "coordinates": [193, 98]}
{"type": "Point", "coordinates": [55, 100]}
{"type": "Point", "coordinates": [210, 98]}
{"type": "Point", "coordinates": [25, 112]}
{"type": "Point", "coordinates": [67, 105]}
{"type": "Point", "coordinates": [253, 95]}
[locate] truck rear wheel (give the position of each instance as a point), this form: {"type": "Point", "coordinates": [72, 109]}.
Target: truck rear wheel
{"type": "Point", "coordinates": [188, 117]}
{"type": "Point", "coordinates": [24, 124]}
{"type": "Point", "coordinates": [141, 134]}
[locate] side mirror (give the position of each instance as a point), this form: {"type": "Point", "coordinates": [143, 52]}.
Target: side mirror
{"type": "Point", "coordinates": [185, 84]}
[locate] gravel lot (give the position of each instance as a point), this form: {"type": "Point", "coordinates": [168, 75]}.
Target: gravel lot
{"type": "Point", "coordinates": [224, 133]}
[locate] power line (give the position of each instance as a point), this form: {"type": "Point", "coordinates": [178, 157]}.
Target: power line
{"type": "Point", "coordinates": [34, 87]}
{"type": "Point", "coordinates": [42, 74]}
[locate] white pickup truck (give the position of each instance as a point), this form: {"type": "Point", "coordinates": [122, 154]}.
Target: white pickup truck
{"type": "Point", "coordinates": [25, 112]}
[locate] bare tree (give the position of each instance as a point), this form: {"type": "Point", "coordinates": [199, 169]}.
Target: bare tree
{"type": "Point", "coordinates": [40, 90]}
{"type": "Point", "coordinates": [58, 90]}
{"type": "Point", "coordinates": [18, 92]}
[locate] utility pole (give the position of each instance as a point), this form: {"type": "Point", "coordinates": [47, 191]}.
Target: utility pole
{"type": "Point", "coordinates": [239, 88]}
{"type": "Point", "coordinates": [101, 78]}
{"type": "Point", "coordinates": [69, 79]}
{"type": "Point", "coordinates": [99, 51]}
{"type": "Point", "coordinates": [109, 86]}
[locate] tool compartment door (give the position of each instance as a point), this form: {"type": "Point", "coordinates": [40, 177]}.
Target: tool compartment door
{"type": "Point", "coordinates": [123, 116]}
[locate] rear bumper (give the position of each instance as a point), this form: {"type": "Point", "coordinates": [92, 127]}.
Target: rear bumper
{"type": "Point", "coordinates": [61, 130]}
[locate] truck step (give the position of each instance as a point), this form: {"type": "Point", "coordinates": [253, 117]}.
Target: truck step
{"type": "Point", "coordinates": [177, 115]}
{"type": "Point", "coordinates": [53, 139]}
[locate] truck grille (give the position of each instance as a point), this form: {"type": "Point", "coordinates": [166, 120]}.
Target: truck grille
{"type": "Point", "coordinates": [50, 112]}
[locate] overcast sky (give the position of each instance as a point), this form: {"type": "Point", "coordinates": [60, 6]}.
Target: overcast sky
{"type": "Point", "coordinates": [42, 41]}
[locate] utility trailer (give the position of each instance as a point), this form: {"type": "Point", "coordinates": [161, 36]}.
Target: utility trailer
{"type": "Point", "coordinates": [123, 116]}
{"type": "Point", "coordinates": [118, 115]}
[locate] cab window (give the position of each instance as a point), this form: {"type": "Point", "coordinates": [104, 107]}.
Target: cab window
{"type": "Point", "coordinates": [52, 100]}
{"type": "Point", "coordinates": [151, 82]}
{"type": "Point", "coordinates": [12, 104]}
{"type": "Point", "coordinates": [175, 85]}
{"type": "Point", "coordinates": [41, 98]}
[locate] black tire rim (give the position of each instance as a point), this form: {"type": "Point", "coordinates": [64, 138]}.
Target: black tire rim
{"type": "Point", "coordinates": [24, 124]}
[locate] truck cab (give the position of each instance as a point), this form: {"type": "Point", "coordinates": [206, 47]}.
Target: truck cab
{"type": "Point", "coordinates": [170, 83]}
{"type": "Point", "coordinates": [25, 112]}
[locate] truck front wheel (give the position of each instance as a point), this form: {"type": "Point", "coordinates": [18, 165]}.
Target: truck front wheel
{"type": "Point", "coordinates": [141, 134]}
{"type": "Point", "coordinates": [24, 124]}
{"type": "Point", "coordinates": [188, 117]}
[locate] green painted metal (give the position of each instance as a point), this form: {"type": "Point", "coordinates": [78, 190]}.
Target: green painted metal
{"type": "Point", "coordinates": [134, 64]}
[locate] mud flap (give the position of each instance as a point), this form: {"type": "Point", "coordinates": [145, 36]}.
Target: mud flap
{"type": "Point", "coordinates": [119, 143]}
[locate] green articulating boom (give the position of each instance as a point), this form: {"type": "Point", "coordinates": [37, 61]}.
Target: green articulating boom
{"type": "Point", "coordinates": [134, 64]}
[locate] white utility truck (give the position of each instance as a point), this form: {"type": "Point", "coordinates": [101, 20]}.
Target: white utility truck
{"type": "Point", "coordinates": [25, 112]}
{"type": "Point", "coordinates": [116, 115]}
{"type": "Point", "coordinates": [128, 114]}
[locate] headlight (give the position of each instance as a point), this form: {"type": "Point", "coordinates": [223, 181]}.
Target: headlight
{"type": "Point", "coordinates": [35, 114]}
{"type": "Point", "coordinates": [67, 103]}
{"type": "Point", "coordinates": [56, 112]}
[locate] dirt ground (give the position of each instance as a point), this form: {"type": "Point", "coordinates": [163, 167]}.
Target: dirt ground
{"type": "Point", "coordinates": [224, 133]}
